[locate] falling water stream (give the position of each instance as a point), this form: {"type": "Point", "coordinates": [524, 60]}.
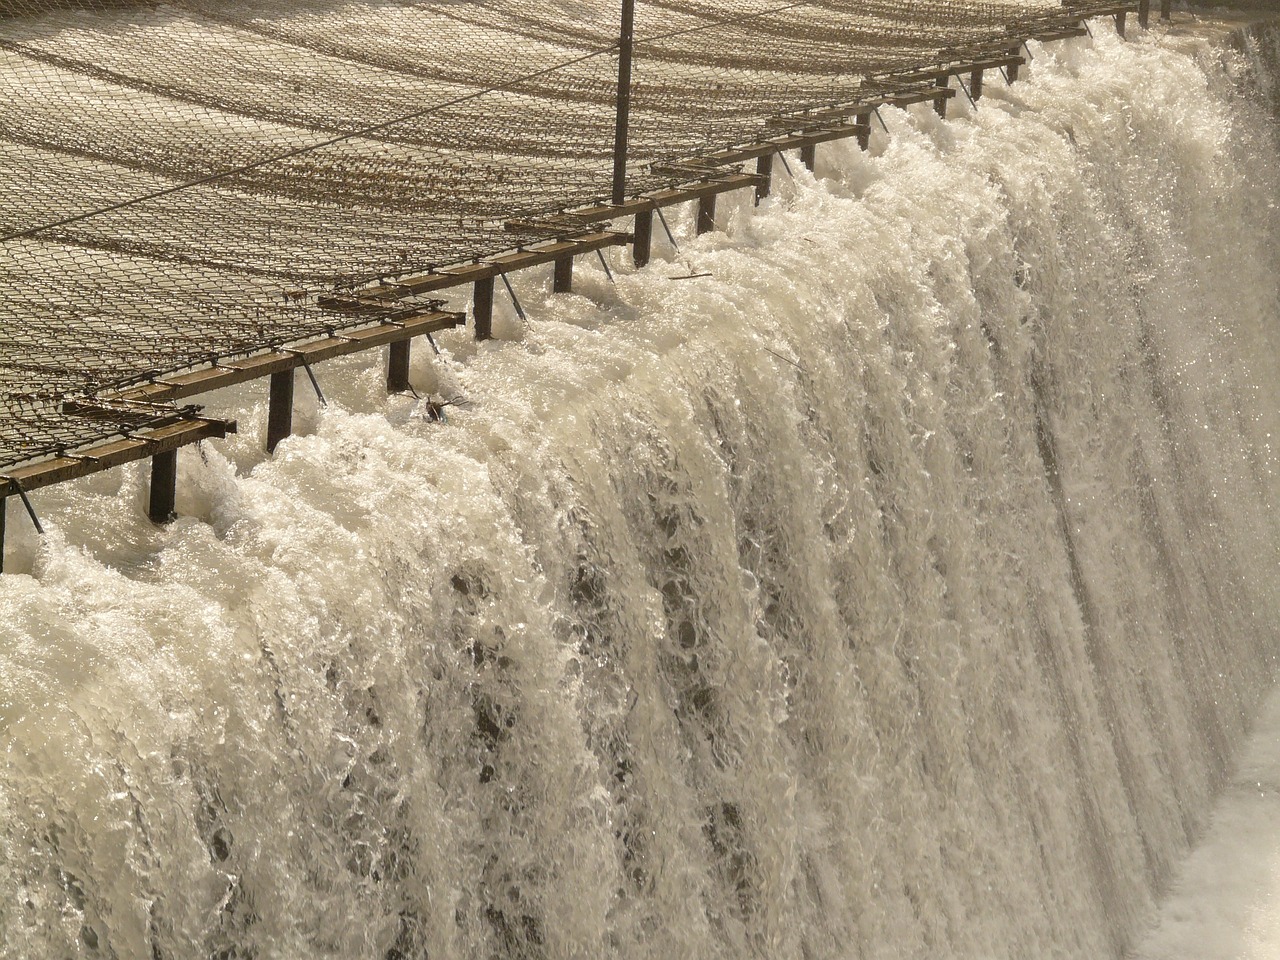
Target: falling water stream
{"type": "Point", "coordinates": [906, 587]}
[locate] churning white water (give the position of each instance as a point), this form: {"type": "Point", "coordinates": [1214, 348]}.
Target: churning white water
{"type": "Point", "coordinates": [905, 588]}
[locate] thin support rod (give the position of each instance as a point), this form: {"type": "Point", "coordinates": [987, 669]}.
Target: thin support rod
{"type": "Point", "coordinates": [515, 301]}
{"type": "Point", "coordinates": [625, 43]}
{"type": "Point", "coordinates": [972, 101]}
{"type": "Point", "coordinates": [764, 170]}
{"type": "Point", "coordinates": [279, 409]}
{"type": "Point", "coordinates": [667, 230]}
{"type": "Point", "coordinates": [706, 214]}
{"type": "Point", "coordinates": [398, 357]}
{"type": "Point", "coordinates": [31, 511]}
{"type": "Point", "coordinates": [605, 263]}
{"type": "Point", "coordinates": [786, 166]}
{"type": "Point", "coordinates": [482, 308]}
{"type": "Point", "coordinates": [643, 233]}
{"type": "Point", "coordinates": [164, 487]}
{"type": "Point", "coordinates": [809, 156]}
{"type": "Point", "coordinates": [562, 278]}
{"type": "Point", "coordinates": [315, 384]}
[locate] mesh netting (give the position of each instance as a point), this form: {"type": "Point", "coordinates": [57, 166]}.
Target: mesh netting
{"type": "Point", "coordinates": [188, 181]}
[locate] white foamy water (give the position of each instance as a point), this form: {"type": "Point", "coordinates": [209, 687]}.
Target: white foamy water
{"type": "Point", "coordinates": [905, 588]}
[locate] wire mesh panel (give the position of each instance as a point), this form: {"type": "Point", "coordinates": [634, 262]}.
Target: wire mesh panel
{"type": "Point", "coordinates": [192, 181]}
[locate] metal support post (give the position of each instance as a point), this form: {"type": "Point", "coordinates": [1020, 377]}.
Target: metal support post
{"type": "Point", "coordinates": [809, 155]}
{"type": "Point", "coordinates": [940, 105]}
{"type": "Point", "coordinates": [864, 136]}
{"type": "Point", "coordinates": [975, 85]}
{"type": "Point", "coordinates": [279, 408]}
{"type": "Point", "coordinates": [764, 169]}
{"type": "Point", "coordinates": [398, 367]}
{"type": "Point", "coordinates": [482, 308]}
{"type": "Point", "coordinates": [643, 233]}
{"type": "Point", "coordinates": [164, 487]}
{"type": "Point", "coordinates": [562, 279]}
{"type": "Point", "coordinates": [706, 214]}
{"type": "Point", "coordinates": [625, 44]}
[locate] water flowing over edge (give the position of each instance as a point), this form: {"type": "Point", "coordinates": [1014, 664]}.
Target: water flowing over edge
{"type": "Point", "coordinates": [901, 589]}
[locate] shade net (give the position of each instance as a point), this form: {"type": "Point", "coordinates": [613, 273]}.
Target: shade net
{"type": "Point", "coordinates": [191, 182]}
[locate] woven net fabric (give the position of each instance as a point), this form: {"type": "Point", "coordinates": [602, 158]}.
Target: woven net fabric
{"type": "Point", "coordinates": [190, 181]}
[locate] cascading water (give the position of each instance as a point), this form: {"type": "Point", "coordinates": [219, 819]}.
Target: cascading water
{"type": "Point", "coordinates": [903, 588]}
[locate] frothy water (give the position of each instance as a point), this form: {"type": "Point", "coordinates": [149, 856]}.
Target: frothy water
{"type": "Point", "coordinates": [904, 588]}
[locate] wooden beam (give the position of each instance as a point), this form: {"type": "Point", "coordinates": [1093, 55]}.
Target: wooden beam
{"type": "Point", "coordinates": [279, 408]}
{"type": "Point", "coordinates": [643, 234]}
{"type": "Point", "coordinates": [940, 105]}
{"type": "Point", "coordinates": [864, 136]}
{"type": "Point", "coordinates": [809, 156]}
{"type": "Point", "coordinates": [706, 214]}
{"type": "Point", "coordinates": [273, 361]}
{"type": "Point", "coordinates": [1120, 23]}
{"type": "Point", "coordinates": [764, 170]}
{"type": "Point", "coordinates": [975, 85]}
{"type": "Point", "coordinates": [562, 280]}
{"type": "Point", "coordinates": [1166, 9]}
{"type": "Point", "coordinates": [491, 267]}
{"type": "Point", "coordinates": [1013, 67]}
{"type": "Point", "coordinates": [1144, 14]}
{"type": "Point", "coordinates": [482, 308]}
{"type": "Point", "coordinates": [164, 487]}
{"type": "Point", "coordinates": [399, 354]}
{"type": "Point", "coordinates": [96, 459]}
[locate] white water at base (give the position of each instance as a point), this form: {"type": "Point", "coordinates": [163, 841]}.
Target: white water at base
{"type": "Point", "coordinates": [902, 589]}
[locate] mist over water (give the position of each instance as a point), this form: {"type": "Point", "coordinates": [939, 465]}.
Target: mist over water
{"type": "Point", "coordinates": [904, 588]}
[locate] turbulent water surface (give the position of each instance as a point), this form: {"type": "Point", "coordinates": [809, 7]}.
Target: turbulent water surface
{"type": "Point", "coordinates": [905, 588]}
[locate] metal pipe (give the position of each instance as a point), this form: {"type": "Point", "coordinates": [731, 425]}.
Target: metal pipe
{"type": "Point", "coordinates": [625, 43]}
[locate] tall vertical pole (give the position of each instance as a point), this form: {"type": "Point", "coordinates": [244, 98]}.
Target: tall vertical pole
{"type": "Point", "coordinates": [482, 308]}
{"type": "Point", "coordinates": [643, 238]}
{"type": "Point", "coordinates": [279, 408]}
{"type": "Point", "coordinates": [164, 487]}
{"type": "Point", "coordinates": [764, 170]}
{"type": "Point", "coordinates": [399, 354]}
{"type": "Point", "coordinates": [626, 40]}
{"type": "Point", "coordinates": [4, 503]}
{"type": "Point", "coordinates": [562, 275]}
{"type": "Point", "coordinates": [1166, 9]}
{"type": "Point", "coordinates": [1144, 13]}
